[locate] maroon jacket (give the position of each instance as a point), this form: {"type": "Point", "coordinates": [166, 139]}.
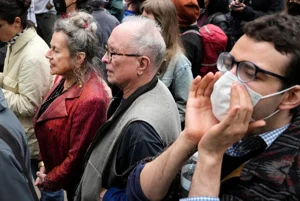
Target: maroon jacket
{"type": "Point", "coordinates": [66, 129]}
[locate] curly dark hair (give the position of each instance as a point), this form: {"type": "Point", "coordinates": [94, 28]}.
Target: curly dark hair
{"type": "Point", "coordinates": [11, 9]}
{"type": "Point", "coordinates": [282, 30]}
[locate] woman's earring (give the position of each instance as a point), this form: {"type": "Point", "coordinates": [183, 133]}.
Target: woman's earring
{"type": "Point", "coordinates": [79, 82]}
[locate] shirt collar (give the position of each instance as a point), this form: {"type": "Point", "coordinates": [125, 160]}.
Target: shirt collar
{"type": "Point", "coordinates": [13, 40]}
{"type": "Point", "coordinates": [270, 137]}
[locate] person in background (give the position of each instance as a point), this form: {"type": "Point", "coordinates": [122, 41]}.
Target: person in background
{"type": "Point", "coordinates": [64, 7]}
{"type": "Point", "coordinates": [293, 7]}
{"type": "Point", "coordinates": [249, 144]}
{"type": "Point", "coordinates": [75, 107]}
{"type": "Point", "coordinates": [26, 78]}
{"type": "Point", "coordinates": [133, 7]}
{"type": "Point", "coordinates": [31, 15]}
{"type": "Point", "coordinates": [106, 21]}
{"type": "Point", "coordinates": [137, 126]}
{"type": "Point", "coordinates": [247, 10]}
{"type": "Point", "coordinates": [215, 13]}
{"type": "Point", "coordinates": [116, 8]}
{"type": "Point", "coordinates": [175, 71]}
{"type": "Point", "coordinates": [45, 15]}
{"type": "Point", "coordinates": [187, 15]}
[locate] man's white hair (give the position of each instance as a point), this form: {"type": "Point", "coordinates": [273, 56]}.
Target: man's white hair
{"type": "Point", "coordinates": [147, 40]}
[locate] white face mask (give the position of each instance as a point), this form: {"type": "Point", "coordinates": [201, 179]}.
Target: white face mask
{"type": "Point", "coordinates": [220, 97]}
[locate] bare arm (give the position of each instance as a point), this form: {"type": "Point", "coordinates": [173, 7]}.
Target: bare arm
{"type": "Point", "coordinates": [158, 175]}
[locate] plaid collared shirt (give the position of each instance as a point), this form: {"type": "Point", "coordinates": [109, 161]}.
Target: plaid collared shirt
{"type": "Point", "coordinates": [268, 137]}
{"type": "Point", "coordinates": [204, 198]}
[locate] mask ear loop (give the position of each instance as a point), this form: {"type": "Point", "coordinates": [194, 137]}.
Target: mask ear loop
{"type": "Point", "coordinates": [268, 117]}
{"type": "Point", "coordinates": [274, 94]}
{"type": "Point", "coordinates": [277, 93]}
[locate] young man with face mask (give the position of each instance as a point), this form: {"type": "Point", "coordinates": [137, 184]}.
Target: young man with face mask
{"type": "Point", "coordinates": [244, 124]}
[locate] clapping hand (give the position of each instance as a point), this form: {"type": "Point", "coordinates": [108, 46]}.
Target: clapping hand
{"type": "Point", "coordinates": [199, 116]}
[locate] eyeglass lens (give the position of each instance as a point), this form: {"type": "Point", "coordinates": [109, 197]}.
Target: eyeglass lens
{"type": "Point", "coordinates": [225, 62]}
{"type": "Point", "coordinates": [107, 52]}
{"type": "Point", "coordinates": [246, 71]}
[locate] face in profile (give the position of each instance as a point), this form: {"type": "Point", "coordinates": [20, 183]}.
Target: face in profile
{"type": "Point", "coordinates": [59, 55]}
{"type": "Point", "coordinates": [8, 31]}
{"type": "Point", "coordinates": [121, 69]}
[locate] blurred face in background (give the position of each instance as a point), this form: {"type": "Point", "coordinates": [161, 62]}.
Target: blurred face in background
{"type": "Point", "coordinates": [293, 7]}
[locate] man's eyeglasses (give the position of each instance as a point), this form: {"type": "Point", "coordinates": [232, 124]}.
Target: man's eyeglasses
{"type": "Point", "coordinates": [246, 71]}
{"type": "Point", "coordinates": [110, 54]}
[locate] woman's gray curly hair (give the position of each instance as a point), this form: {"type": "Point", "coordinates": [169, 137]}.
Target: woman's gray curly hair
{"type": "Point", "coordinates": [81, 30]}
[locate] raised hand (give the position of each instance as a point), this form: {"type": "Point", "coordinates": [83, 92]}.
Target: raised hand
{"type": "Point", "coordinates": [199, 117]}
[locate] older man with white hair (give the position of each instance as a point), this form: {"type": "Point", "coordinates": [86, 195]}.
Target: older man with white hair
{"type": "Point", "coordinates": [142, 120]}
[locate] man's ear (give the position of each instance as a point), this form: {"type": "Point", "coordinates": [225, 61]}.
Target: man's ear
{"type": "Point", "coordinates": [291, 100]}
{"type": "Point", "coordinates": [143, 65]}
{"type": "Point", "coordinates": [80, 58]}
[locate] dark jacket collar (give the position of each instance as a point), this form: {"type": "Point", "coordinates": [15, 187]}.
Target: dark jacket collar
{"type": "Point", "coordinates": [191, 27]}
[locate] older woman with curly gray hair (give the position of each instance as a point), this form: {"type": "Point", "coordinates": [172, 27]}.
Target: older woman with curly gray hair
{"type": "Point", "coordinates": [75, 107]}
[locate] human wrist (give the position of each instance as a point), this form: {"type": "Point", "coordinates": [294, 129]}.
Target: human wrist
{"type": "Point", "coordinates": [206, 179]}
{"type": "Point", "coordinates": [189, 140]}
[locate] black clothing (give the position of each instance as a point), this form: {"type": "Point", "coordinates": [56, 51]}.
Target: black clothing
{"type": "Point", "coordinates": [254, 9]}
{"type": "Point", "coordinates": [2, 55]}
{"type": "Point", "coordinates": [139, 135]}
{"type": "Point", "coordinates": [219, 19]}
{"type": "Point", "coordinates": [223, 21]}
{"type": "Point", "coordinates": [230, 163]}
{"type": "Point", "coordinates": [258, 8]}
{"type": "Point", "coordinates": [192, 44]}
